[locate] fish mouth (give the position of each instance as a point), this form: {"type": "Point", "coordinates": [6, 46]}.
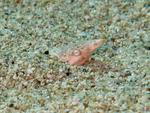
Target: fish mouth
{"type": "Point", "coordinates": [98, 43]}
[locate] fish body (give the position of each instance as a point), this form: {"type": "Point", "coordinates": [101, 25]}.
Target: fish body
{"type": "Point", "coordinates": [81, 53]}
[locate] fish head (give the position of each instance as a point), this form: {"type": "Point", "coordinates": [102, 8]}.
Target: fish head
{"type": "Point", "coordinates": [76, 57]}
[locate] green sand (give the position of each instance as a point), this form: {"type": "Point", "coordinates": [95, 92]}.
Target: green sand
{"type": "Point", "coordinates": [32, 80]}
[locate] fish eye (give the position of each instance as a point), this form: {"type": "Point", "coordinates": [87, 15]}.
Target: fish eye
{"type": "Point", "coordinates": [76, 52]}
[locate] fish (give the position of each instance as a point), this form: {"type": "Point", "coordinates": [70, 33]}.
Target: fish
{"type": "Point", "coordinates": [80, 53]}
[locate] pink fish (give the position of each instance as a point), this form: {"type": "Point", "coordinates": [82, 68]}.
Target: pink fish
{"type": "Point", "coordinates": [82, 54]}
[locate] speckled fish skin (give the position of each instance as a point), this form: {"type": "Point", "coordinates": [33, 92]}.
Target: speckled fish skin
{"type": "Point", "coordinates": [82, 54]}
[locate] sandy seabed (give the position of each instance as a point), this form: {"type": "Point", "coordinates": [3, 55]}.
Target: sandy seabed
{"type": "Point", "coordinates": [33, 80]}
